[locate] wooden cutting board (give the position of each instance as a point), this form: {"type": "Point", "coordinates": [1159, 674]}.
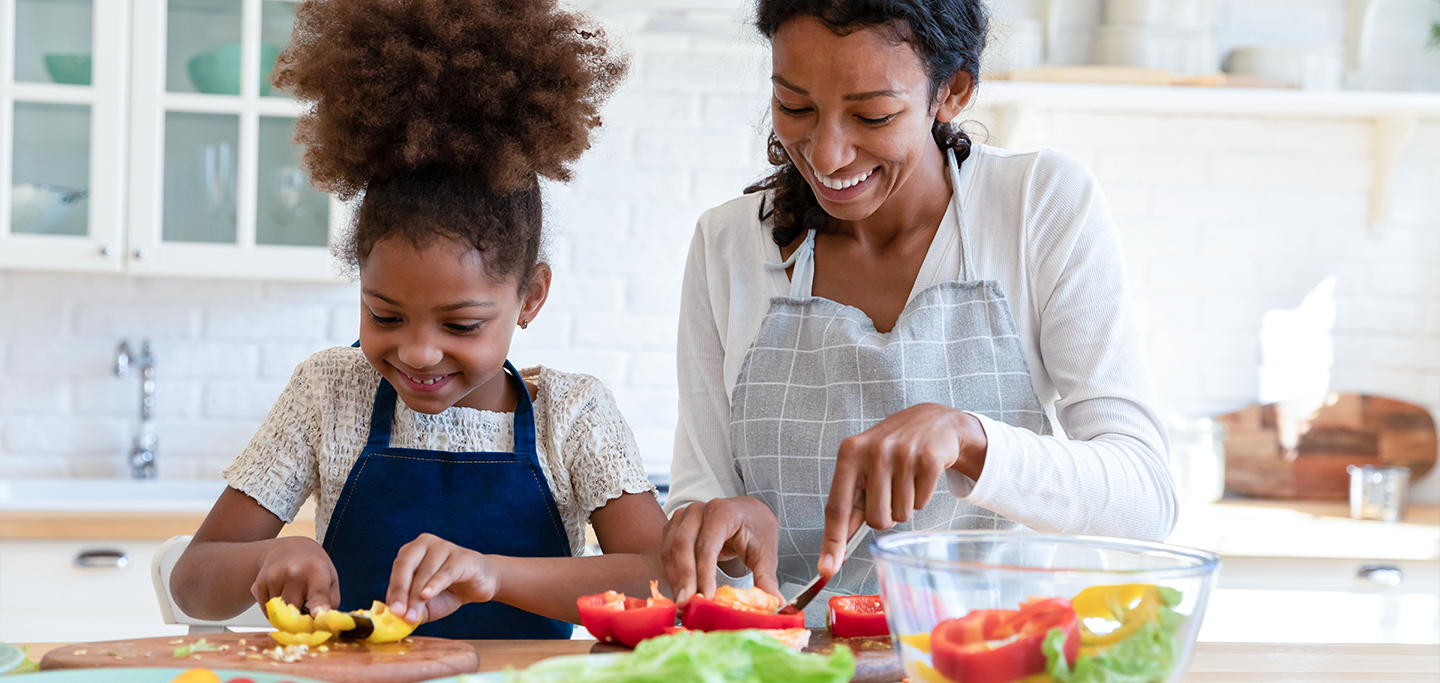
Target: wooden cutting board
{"type": "Point", "coordinates": [1346, 429]}
{"type": "Point", "coordinates": [411, 660]}
{"type": "Point", "coordinates": [876, 660]}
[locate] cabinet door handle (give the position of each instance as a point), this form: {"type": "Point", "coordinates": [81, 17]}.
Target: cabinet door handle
{"type": "Point", "coordinates": [102, 559]}
{"type": "Point", "coordinates": [1383, 574]}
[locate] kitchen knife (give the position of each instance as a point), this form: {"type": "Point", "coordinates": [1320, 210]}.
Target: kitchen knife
{"type": "Point", "coordinates": [817, 584]}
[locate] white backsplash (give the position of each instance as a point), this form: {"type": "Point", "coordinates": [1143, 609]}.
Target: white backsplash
{"type": "Point", "coordinates": [1222, 218]}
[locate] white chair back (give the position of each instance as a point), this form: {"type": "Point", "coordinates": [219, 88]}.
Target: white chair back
{"type": "Point", "coordinates": [160, 568]}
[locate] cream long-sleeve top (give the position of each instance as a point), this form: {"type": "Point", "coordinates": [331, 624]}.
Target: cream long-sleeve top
{"type": "Point", "coordinates": [319, 425]}
{"type": "Point", "coordinates": [1038, 224]}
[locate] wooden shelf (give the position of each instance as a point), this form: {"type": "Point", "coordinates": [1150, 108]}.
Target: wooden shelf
{"type": "Point", "coordinates": [1261, 102]}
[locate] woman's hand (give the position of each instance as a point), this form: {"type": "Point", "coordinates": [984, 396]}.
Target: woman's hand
{"type": "Point", "coordinates": [433, 577]}
{"type": "Point", "coordinates": [699, 536]}
{"type": "Point", "coordinates": [888, 471]}
{"type": "Point", "coordinates": [299, 571]}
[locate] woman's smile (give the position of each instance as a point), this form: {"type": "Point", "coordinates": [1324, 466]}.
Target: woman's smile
{"type": "Point", "coordinates": [841, 187]}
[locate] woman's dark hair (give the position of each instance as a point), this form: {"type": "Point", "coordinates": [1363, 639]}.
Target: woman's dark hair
{"type": "Point", "coordinates": [443, 114]}
{"type": "Point", "coordinates": [948, 35]}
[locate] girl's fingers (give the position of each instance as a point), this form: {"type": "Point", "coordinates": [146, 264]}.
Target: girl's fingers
{"type": "Point", "coordinates": [334, 588]}
{"type": "Point", "coordinates": [402, 572]}
{"type": "Point", "coordinates": [293, 593]}
{"type": "Point", "coordinates": [317, 599]}
{"type": "Point", "coordinates": [429, 567]}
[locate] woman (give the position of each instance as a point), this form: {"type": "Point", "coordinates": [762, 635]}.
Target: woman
{"type": "Point", "coordinates": [896, 303]}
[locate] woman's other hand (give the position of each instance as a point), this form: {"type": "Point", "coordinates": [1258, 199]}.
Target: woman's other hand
{"type": "Point", "coordinates": [299, 571]}
{"type": "Point", "coordinates": [433, 577]}
{"type": "Point", "coordinates": [738, 532]}
{"type": "Point", "coordinates": [890, 470]}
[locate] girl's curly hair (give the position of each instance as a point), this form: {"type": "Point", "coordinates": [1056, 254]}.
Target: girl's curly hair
{"type": "Point", "coordinates": [948, 35]}
{"type": "Point", "coordinates": [443, 114]}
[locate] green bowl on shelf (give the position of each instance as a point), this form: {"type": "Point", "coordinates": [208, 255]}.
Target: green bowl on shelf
{"type": "Point", "coordinates": [217, 72]}
{"type": "Point", "coordinates": [72, 69]}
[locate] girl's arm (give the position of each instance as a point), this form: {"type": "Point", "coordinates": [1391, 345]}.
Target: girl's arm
{"type": "Point", "coordinates": [434, 577]}
{"type": "Point", "coordinates": [235, 560]}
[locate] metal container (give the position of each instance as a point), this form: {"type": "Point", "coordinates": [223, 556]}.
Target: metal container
{"type": "Point", "coordinates": [1378, 492]}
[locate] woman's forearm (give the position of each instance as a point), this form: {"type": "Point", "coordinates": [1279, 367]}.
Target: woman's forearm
{"type": "Point", "coordinates": [549, 586]}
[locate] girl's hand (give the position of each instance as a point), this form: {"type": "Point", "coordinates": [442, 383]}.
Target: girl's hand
{"type": "Point", "coordinates": [433, 577]}
{"type": "Point", "coordinates": [701, 535]}
{"type": "Point", "coordinates": [893, 467]}
{"type": "Point", "coordinates": [300, 572]}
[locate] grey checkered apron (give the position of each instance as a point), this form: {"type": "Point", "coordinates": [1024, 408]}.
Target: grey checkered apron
{"type": "Point", "coordinates": [818, 372]}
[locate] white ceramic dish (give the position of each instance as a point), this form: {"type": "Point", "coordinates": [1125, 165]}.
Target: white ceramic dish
{"type": "Point", "coordinates": [10, 657]}
{"type": "Point", "coordinates": [1172, 13]}
{"type": "Point", "coordinates": [1309, 66]}
{"type": "Point", "coordinates": [38, 208]}
{"type": "Point", "coordinates": [1190, 52]}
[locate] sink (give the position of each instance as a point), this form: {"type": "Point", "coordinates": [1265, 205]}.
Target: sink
{"type": "Point", "coordinates": [158, 495]}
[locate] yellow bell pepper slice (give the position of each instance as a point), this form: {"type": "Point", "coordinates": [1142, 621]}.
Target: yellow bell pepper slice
{"type": "Point", "coordinates": [1102, 601]}
{"type": "Point", "coordinates": [919, 641]}
{"type": "Point", "coordinates": [312, 639]}
{"type": "Point", "coordinates": [287, 617]}
{"type": "Point", "coordinates": [334, 621]}
{"type": "Point", "coordinates": [1117, 603]}
{"type": "Point", "coordinates": [389, 626]}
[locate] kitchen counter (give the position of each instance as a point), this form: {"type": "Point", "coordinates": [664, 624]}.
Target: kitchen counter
{"type": "Point", "coordinates": [1212, 662]}
{"type": "Point", "coordinates": [114, 509]}
{"type": "Point", "coordinates": [1308, 529]}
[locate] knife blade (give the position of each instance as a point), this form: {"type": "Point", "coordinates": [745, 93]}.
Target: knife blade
{"type": "Point", "coordinates": [817, 584]}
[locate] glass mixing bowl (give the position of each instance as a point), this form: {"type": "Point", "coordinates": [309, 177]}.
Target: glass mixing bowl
{"type": "Point", "coordinates": [1127, 610]}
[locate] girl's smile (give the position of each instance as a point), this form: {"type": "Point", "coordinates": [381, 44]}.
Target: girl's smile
{"type": "Point", "coordinates": [438, 327]}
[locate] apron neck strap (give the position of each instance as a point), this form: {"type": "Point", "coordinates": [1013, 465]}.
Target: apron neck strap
{"type": "Point", "coordinates": [967, 266]}
{"type": "Point", "coordinates": [382, 416]}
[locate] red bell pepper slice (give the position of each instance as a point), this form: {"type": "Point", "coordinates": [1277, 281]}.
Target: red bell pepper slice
{"type": "Point", "coordinates": [1000, 646]}
{"type": "Point", "coordinates": [704, 614]}
{"type": "Point", "coordinates": [857, 616]}
{"type": "Point", "coordinates": [611, 616]}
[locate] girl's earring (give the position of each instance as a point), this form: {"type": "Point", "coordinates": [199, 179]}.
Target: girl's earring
{"type": "Point", "coordinates": [524, 324]}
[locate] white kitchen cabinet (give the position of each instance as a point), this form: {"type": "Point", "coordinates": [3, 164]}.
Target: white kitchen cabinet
{"type": "Point", "coordinates": [189, 165]}
{"type": "Point", "coordinates": [46, 596]}
{"type": "Point", "coordinates": [62, 133]}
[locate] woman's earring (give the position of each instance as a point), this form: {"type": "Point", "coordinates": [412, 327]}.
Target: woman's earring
{"type": "Point", "coordinates": [524, 324]}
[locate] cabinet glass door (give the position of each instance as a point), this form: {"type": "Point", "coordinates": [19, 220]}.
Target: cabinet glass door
{"type": "Point", "coordinates": [222, 191]}
{"type": "Point", "coordinates": [53, 41]}
{"type": "Point", "coordinates": [62, 133]}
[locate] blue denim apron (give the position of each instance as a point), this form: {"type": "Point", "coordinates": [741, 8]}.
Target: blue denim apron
{"type": "Point", "coordinates": [494, 503]}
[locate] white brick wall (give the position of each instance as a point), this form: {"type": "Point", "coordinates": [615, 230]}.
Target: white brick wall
{"type": "Point", "coordinates": [1222, 219]}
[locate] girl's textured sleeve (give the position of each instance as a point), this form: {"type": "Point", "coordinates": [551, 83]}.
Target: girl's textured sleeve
{"type": "Point", "coordinates": [1111, 477]}
{"type": "Point", "coordinates": [599, 449]}
{"type": "Point", "coordinates": [279, 468]}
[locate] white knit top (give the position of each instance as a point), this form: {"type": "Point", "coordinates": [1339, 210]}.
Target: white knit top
{"type": "Point", "coordinates": [1038, 224]}
{"type": "Point", "coordinates": [320, 423]}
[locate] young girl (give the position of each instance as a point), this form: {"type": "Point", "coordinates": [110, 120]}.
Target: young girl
{"type": "Point", "coordinates": [447, 484]}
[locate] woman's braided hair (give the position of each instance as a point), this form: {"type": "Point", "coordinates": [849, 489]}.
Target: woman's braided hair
{"type": "Point", "coordinates": [443, 115]}
{"type": "Point", "coordinates": [948, 35]}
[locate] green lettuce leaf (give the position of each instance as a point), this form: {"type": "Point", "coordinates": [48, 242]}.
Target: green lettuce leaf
{"type": "Point", "coordinates": [1147, 656]}
{"type": "Point", "coordinates": [716, 657]}
{"type": "Point", "coordinates": [201, 645]}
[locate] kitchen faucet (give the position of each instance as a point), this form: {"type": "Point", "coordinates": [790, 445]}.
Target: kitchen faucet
{"type": "Point", "coordinates": [142, 456]}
